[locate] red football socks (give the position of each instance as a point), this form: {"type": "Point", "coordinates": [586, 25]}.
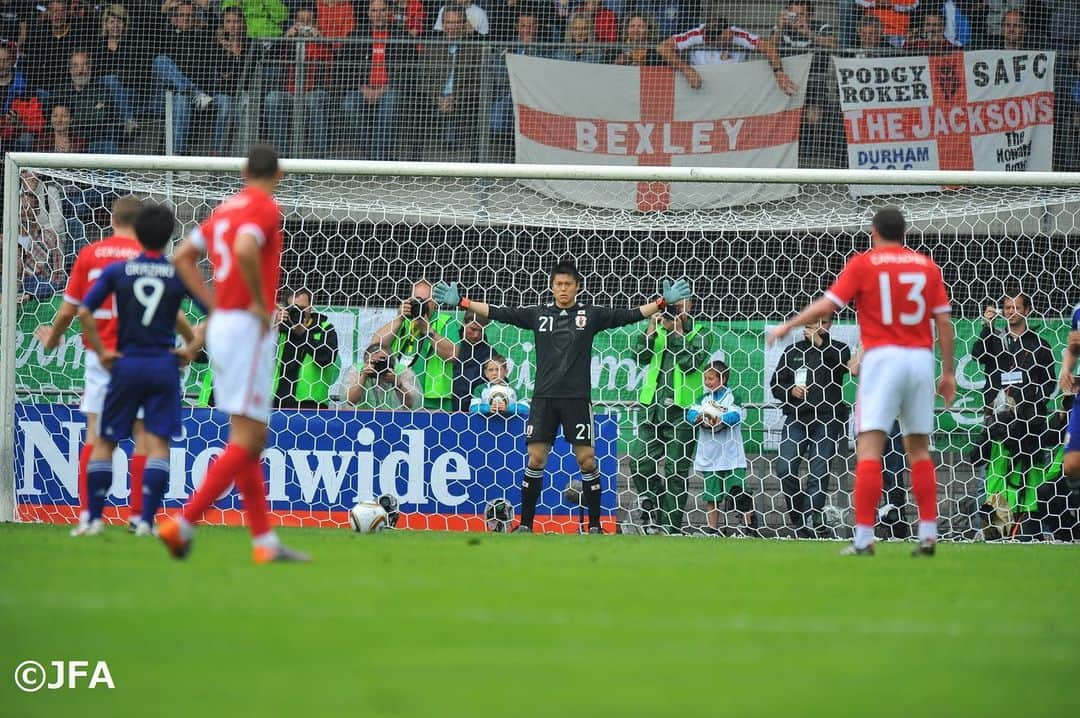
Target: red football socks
{"type": "Point", "coordinates": [867, 491]}
{"type": "Point", "coordinates": [924, 487]}
{"type": "Point", "coordinates": [232, 465]}
{"type": "Point", "coordinates": [253, 492]}
{"type": "Point", "coordinates": [84, 491]}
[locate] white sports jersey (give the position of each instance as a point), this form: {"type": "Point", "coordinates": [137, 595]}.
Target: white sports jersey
{"type": "Point", "coordinates": [719, 448]}
{"type": "Point", "coordinates": [482, 399]}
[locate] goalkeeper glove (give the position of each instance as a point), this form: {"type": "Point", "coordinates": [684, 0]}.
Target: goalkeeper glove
{"type": "Point", "coordinates": [676, 292]}
{"type": "Point", "coordinates": [447, 294]}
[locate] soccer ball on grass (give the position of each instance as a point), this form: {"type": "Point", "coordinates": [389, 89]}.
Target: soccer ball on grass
{"type": "Point", "coordinates": [368, 517]}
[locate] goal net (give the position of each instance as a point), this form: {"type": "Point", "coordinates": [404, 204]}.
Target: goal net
{"type": "Point", "coordinates": [360, 240]}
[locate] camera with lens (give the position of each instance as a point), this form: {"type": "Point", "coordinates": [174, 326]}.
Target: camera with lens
{"type": "Point", "coordinates": [381, 365]}
{"type": "Point", "coordinates": [419, 308]}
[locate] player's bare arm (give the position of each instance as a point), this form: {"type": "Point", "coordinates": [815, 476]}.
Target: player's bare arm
{"type": "Point", "coordinates": [186, 258]}
{"type": "Point", "coordinates": [1066, 380]}
{"type": "Point", "coordinates": [50, 334]}
{"type": "Point", "coordinates": [815, 311]}
{"type": "Point", "coordinates": [249, 262]}
{"type": "Point", "coordinates": [946, 386]}
{"type": "Point", "coordinates": [194, 342]}
{"type": "Point", "coordinates": [183, 327]}
{"type": "Point", "coordinates": [106, 356]}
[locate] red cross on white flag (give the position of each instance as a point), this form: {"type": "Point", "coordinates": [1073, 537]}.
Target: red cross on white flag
{"type": "Point", "coordinates": [573, 113]}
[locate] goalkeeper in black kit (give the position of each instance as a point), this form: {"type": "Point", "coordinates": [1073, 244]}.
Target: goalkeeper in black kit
{"type": "Point", "coordinates": [563, 332]}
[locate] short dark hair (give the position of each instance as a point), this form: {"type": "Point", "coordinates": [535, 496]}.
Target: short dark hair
{"type": "Point", "coordinates": [890, 224]}
{"type": "Point", "coordinates": [720, 367]}
{"type": "Point", "coordinates": [371, 349]}
{"type": "Point", "coordinates": [262, 162]}
{"type": "Point", "coordinates": [565, 266]}
{"type": "Point", "coordinates": [717, 23]}
{"type": "Point", "coordinates": [125, 209]}
{"type": "Point", "coordinates": [154, 226]}
{"type": "Point", "coordinates": [1022, 297]}
{"type": "Point", "coordinates": [305, 291]}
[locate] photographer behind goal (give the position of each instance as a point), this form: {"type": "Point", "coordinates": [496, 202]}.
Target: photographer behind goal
{"type": "Point", "coordinates": [422, 339]}
{"type": "Point", "coordinates": [307, 355]}
{"type": "Point", "coordinates": [379, 385]}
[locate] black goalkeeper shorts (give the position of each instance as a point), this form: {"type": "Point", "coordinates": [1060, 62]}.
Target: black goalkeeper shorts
{"type": "Point", "coordinates": [547, 415]}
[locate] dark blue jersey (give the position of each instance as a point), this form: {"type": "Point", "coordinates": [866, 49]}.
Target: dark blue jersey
{"type": "Point", "coordinates": [1075, 322]}
{"type": "Point", "coordinates": [148, 296]}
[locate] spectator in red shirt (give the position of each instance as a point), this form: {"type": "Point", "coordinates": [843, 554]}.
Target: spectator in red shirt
{"type": "Point", "coordinates": [21, 118]}
{"type": "Point", "coordinates": [312, 97]}
{"type": "Point", "coordinates": [334, 19]}
{"type": "Point", "coordinates": [372, 81]}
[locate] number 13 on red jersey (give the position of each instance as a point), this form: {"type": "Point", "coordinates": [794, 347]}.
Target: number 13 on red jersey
{"type": "Point", "coordinates": [896, 292]}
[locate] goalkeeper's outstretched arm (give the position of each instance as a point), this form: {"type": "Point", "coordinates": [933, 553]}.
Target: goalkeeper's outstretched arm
{"type": "Point", "coordinates": [448, 294]}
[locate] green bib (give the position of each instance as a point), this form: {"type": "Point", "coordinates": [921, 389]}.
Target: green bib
{"type": "Point", "coordinates": [688, 385]}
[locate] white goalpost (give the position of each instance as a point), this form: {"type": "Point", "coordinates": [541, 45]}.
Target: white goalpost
{"type": "Point", "coordinates": [359, 234]}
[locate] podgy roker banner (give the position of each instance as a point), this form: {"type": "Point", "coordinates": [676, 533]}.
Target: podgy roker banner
{"type": "Point", "coordinates": [443, 467]}
{"type": "Point", "coordinates": [985, 110]}
{"type": "Point", "coordinates": [581, 113]}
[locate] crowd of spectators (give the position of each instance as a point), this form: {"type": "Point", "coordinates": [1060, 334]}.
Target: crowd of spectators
{"type": "Point", "coordinates": [411, 79]}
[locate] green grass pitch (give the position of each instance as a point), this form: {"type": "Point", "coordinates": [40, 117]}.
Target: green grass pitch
{"type": "Point", "coordinates": [444, 624]}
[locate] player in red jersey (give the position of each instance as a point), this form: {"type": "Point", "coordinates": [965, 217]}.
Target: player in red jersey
{"type": "Point", "coordinates": [243, 239]}
{"type": "Point", "coordinates": [119, 247]}
{"type": "Point", "coordinates": [900, 298]}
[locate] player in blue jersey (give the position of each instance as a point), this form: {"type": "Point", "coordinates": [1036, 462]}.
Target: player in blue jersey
{"type": "Point", "coordinates": [1071, 464]}
{"type": "Point", "coordinates": [144, 370]}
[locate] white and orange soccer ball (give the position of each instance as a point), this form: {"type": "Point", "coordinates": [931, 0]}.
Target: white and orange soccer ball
{"type": "Point", "coordinates": [368, 517]}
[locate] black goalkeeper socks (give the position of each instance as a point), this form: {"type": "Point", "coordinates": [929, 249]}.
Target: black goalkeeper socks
{"type": "Point", "coordinates": [530, 494]}
{"type": "Point", "coordinates": [590, 487]}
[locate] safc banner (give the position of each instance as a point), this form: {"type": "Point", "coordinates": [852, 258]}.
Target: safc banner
{"type": "Point", "coordinates": [986, 110]}
{"type": "Point", "coordinates": [578, 113]}
{"type": "Point", "coordinates": [443, 467]}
